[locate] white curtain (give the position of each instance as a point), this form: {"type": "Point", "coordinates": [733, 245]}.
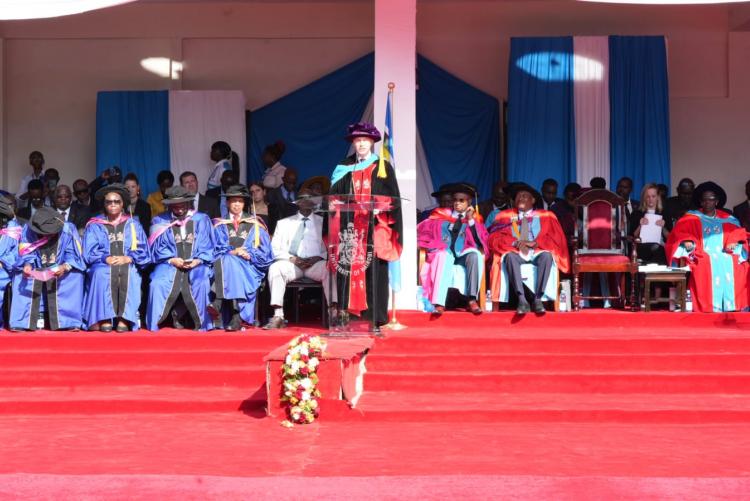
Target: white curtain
{"type": "Point", "coordinates": [591, 95]}
{"type": "Point", "coordinates": [197, 119]}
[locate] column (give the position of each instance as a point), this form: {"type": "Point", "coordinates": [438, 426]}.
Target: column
{"type": "Point", "coordinates": [395, 61]}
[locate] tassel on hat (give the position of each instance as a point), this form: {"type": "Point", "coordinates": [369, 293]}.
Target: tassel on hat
{"type": "Point", "coordinates": [256, 239]}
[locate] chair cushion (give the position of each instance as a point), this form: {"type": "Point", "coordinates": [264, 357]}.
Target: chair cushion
{"type": "Point", "coordinates": [600, 225]}
{"type": "Point", "coordinates": [610, 259]}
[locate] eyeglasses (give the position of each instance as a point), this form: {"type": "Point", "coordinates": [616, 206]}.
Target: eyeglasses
{"type": "Point", "coordinates": [112, 202]}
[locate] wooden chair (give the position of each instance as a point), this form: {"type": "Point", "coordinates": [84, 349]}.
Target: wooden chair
{"type": "Point", "coordinates": [482, 300]}
{"type": "Point", "coordinates": [600, 244]}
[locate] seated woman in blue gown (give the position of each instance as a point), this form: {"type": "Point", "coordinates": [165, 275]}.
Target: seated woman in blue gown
{"type": "Point", "coordinates": [48, 275]}
{"type": "Point", "coordinates": [182, 250]}
{"type": "Point", "coordinates": [243, 249]}
{"type": "Point", "coordinates": [115, 248]}
{"type": "Point", "coordinates": [10, 234]}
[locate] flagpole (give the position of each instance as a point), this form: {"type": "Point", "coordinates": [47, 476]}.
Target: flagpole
{"type": "Point", "coordinates": [394, 324]}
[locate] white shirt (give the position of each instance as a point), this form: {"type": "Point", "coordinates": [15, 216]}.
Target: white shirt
{"type": "Point", "coordinates": [272, 176]}
{"type": "Point", "coordinates": [65, 214]}
{"type": "Point", "coordinates": [214, 180]}
{"type": "Point", "coordinates": [195, 201]}
{"type": "Point", "coordinates": [459, 215]}
{"type": "Point", "coordinates": [312, 240]}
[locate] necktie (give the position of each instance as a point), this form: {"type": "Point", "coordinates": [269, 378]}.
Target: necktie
{"type": "Point", "coordinates": [455, 232]}
{"type": "Point", "coordinates": [297, 240]}
{"type": "Point", "coordinates": [524, 229]}
{"type": "Point", "coordinates": [64, 215]}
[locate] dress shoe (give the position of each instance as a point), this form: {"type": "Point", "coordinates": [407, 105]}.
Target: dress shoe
{"type": "Point", "coordinates": [105, 327]}
{"type": "Point", "coordinates": [439, 310]}
{"type": "Point", "coordinates": [122, 327]}
{"type": "Point", "coordinates": [274, 323]}
{"type": "Point", "coordinates": [523, 307]}
{"type": "Point", "coordinates": [539, 306]}
{"type": "Point", "coordinates": [213, 311]}
{"type": "Point", "coordinates": [474, 307]}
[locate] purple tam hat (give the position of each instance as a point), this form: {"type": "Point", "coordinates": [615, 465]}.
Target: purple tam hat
{"type": "Point", "coordinates": [362, 129]}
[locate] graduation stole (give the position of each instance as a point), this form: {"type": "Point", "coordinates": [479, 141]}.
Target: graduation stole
{"type": "Point", "coordinates": [13, 232]}
{"type": "Point", "coordinates": [362, 188]}
{"type": "Point", "coordinates": [27, 248]}
{"type": "Point", "coordinates": [123, 217]}
{"type": "Point", "coordinates": [159, 229]}
{"type": "Point", "coordinates": [516, 229]}
{"type": "Point", "coordinates": [342, 170]}
{"type": "Point", "coordinates": [256, 222]}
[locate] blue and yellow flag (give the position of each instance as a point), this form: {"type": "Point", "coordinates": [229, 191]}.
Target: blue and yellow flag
{"type": "Point", "coordinates": [386, 147]}
{"type": "Point", "coordinates": [386, 153]}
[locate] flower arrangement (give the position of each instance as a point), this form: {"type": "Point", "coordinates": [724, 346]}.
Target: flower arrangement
{"type": "Point", "coordinates": [299, 379]}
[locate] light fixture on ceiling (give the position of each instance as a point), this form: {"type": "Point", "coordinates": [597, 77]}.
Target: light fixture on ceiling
{"type": "Point", "coordinates": [40, 9]}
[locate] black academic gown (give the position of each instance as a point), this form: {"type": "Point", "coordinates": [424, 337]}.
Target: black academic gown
{"type": "Point", "coordinates": [377, 273]}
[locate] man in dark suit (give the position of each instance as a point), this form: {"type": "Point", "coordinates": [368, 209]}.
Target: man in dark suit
{"type": "Point", "coordinates": [35, 195]}
{"type": "Point", "coordinates": [201, 203]}
{"type": "Point", "coordinates": [677, 206]}
{"type": "Point", "coordinates": [742, 211]}
{"type": "Point", "coordinates": [444, 198]}
{"type": "Point", "coordinates": [624, 189]}
{"type": "Point", "coordinates": [281, 200]}
{"type": "Point", "coordinates": [228, 178]}
{"type": "Point", "coordinates": [500, 201]}
{"type": "Point", "coordinates": [63, 198]}
{"type": "Point", "coordinates": [549, 195]}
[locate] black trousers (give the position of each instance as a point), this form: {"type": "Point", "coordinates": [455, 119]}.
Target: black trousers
{"type": "Point", "coordinates": [543, 263]}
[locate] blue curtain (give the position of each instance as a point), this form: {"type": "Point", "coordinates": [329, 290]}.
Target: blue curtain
{"type": "Point", "coordinates": [132, 131]}
{"type": "Point", "coordinates": [312, 120]}
{"type": "Point", "coordinates": [460, 129]}
{"type": "Point", "coordinates": [541, 129]}
{"type": "Point", "coordinates": [639, 110]}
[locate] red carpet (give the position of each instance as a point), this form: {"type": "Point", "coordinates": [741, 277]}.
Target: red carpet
{"type": "Point", "coordinates": [569, 406]}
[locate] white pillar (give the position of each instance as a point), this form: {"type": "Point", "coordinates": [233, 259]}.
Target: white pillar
{"type": "Point", "coordinates": [395, 61]}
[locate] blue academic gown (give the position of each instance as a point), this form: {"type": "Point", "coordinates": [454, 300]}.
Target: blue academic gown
{"type": "Point", "coordinates": [98, 305]}
{"type": "Point", "coordinates": [234, 277]}
{"type": "Point", "coordinates": [8, 258]}
{"type": "Point", "coordinates": [163, 282]}
{"type": "Point", "coordinates": [64, 296]}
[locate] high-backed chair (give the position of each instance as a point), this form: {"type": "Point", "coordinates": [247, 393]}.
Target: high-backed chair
{"type": "Point", "coordinates": [600, 244]}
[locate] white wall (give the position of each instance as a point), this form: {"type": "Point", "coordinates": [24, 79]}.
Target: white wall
{"type": "Point", "coordinates": [52, 69]}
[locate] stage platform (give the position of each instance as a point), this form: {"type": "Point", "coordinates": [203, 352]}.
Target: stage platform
{"type": "Point", "coordinates": [587, 405]}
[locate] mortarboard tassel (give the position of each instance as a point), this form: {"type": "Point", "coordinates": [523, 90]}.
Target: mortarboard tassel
{"type": "Point", "coordinates": [256, 241]}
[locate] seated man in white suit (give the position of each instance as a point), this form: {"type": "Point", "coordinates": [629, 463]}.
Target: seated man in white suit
{"type": "Point", "coordinates": [298, 251]}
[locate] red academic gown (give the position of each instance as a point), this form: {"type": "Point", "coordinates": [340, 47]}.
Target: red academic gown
{"type": "Point", "coordinates": [701, 282]}
{"type": "Point", "coordinates": [504, 232]}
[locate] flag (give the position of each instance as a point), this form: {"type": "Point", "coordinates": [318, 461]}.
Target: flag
{"type": "Point", "coordinates": [386, 147]}
{"type": "Point", "coordinates": [386, 154]}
